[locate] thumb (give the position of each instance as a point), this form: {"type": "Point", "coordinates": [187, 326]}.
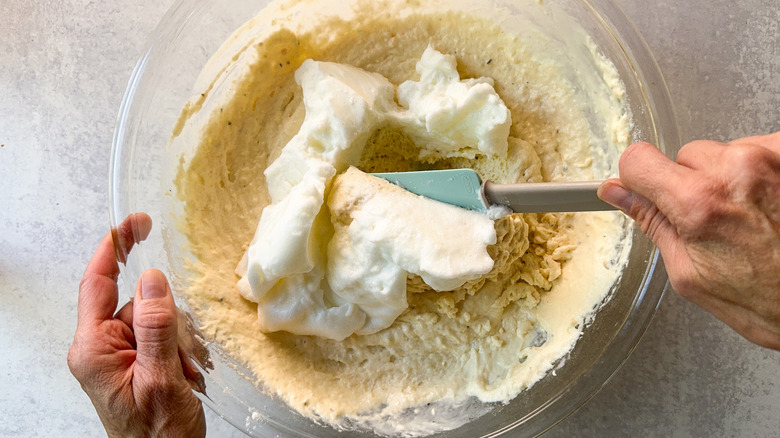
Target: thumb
{"type": "Point", "coordinates": [650, 219]}
{"type": "Point", "coordinates": [155, 322]}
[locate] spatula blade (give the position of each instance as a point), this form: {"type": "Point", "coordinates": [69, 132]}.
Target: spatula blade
{"type": "Point", "coordinates": [464, 188]}
{"type": "Point", "coordinates": [460, 187]}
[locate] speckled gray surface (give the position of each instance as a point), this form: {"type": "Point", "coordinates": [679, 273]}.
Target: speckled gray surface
{"type": "Point", "coordinates": [63, 69]}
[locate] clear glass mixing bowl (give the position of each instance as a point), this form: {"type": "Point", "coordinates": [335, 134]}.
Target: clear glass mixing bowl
{"type": "Point", "coordinates": [162, 82]}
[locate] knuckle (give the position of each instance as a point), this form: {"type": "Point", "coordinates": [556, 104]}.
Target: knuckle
{"type": "Point", "coordinates": [629, 156]}
{"type": "Point", "coordinates": [706, 207]}
{"type": "Point", "coordinates": [650, 219]}
{"type": "Point", "coordinates": [79, 365]}
{"type": "Point", "coordinates": [752, 170]}
{"type": "Point", "coordinates": [686, 281]}
{"type": "Point", "coordinates": [685, 153]}
{"type": "Point", "coordinates": [750, 158]}
{"type": "Point", "coordinates": [154, 318]}
{"type": "Point", "coordinates": [91, 282]}
{"type": "Point", "coordinates": [74, 361]}
{"type": "Point", "coordinates": [87, 282]}
{"type": "Point", "coordinates": [685, 285]}
{"type": "Point", "coordinates": [690, 148]}
{"type": "Point", "coordinates": [702, 216]}
{"type": "Point", "coordinates": [690, 152]}
{"type": "Point", "coordinates": [681, 288]}
{"type": "Point", "coordinates": [702, 144]}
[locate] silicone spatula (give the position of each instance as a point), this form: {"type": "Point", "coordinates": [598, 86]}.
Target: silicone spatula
{"type": "Point", "coordinates": [464, 188]}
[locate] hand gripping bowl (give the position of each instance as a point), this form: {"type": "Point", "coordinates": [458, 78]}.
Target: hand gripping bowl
{"type": "Point", "coordinates": [141, 167]}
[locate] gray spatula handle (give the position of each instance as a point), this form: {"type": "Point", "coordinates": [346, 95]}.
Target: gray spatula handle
{"type": "Point", "coordinates": [546, 197]}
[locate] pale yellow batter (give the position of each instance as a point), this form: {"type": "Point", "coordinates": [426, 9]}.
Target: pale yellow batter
{"type": "Point", "coordinates": [485, 339]}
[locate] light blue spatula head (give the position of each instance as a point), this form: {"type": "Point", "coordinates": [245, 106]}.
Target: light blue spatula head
{"type": "Point", "coordinates": [463, 187]}
{"type": "Point", "coordinates": [459, 187]}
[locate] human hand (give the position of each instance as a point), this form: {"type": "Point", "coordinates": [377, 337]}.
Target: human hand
{"type": "Point", "coordinates": [129, 363]}
{"type": "Point", "coordinates": [715, 217]}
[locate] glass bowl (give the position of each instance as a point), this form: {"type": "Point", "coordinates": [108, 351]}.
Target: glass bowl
{"type": "Point", "coordinates": [162, 82]}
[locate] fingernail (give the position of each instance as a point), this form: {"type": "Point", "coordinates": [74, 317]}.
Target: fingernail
{"type": "Point", "coordinates": [616, 195]}
{"type": "Point", "coordinates": [153, 285]}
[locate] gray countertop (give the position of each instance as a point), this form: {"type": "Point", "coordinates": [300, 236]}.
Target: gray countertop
{"type": "Point", "coordinates": [63, 69]}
